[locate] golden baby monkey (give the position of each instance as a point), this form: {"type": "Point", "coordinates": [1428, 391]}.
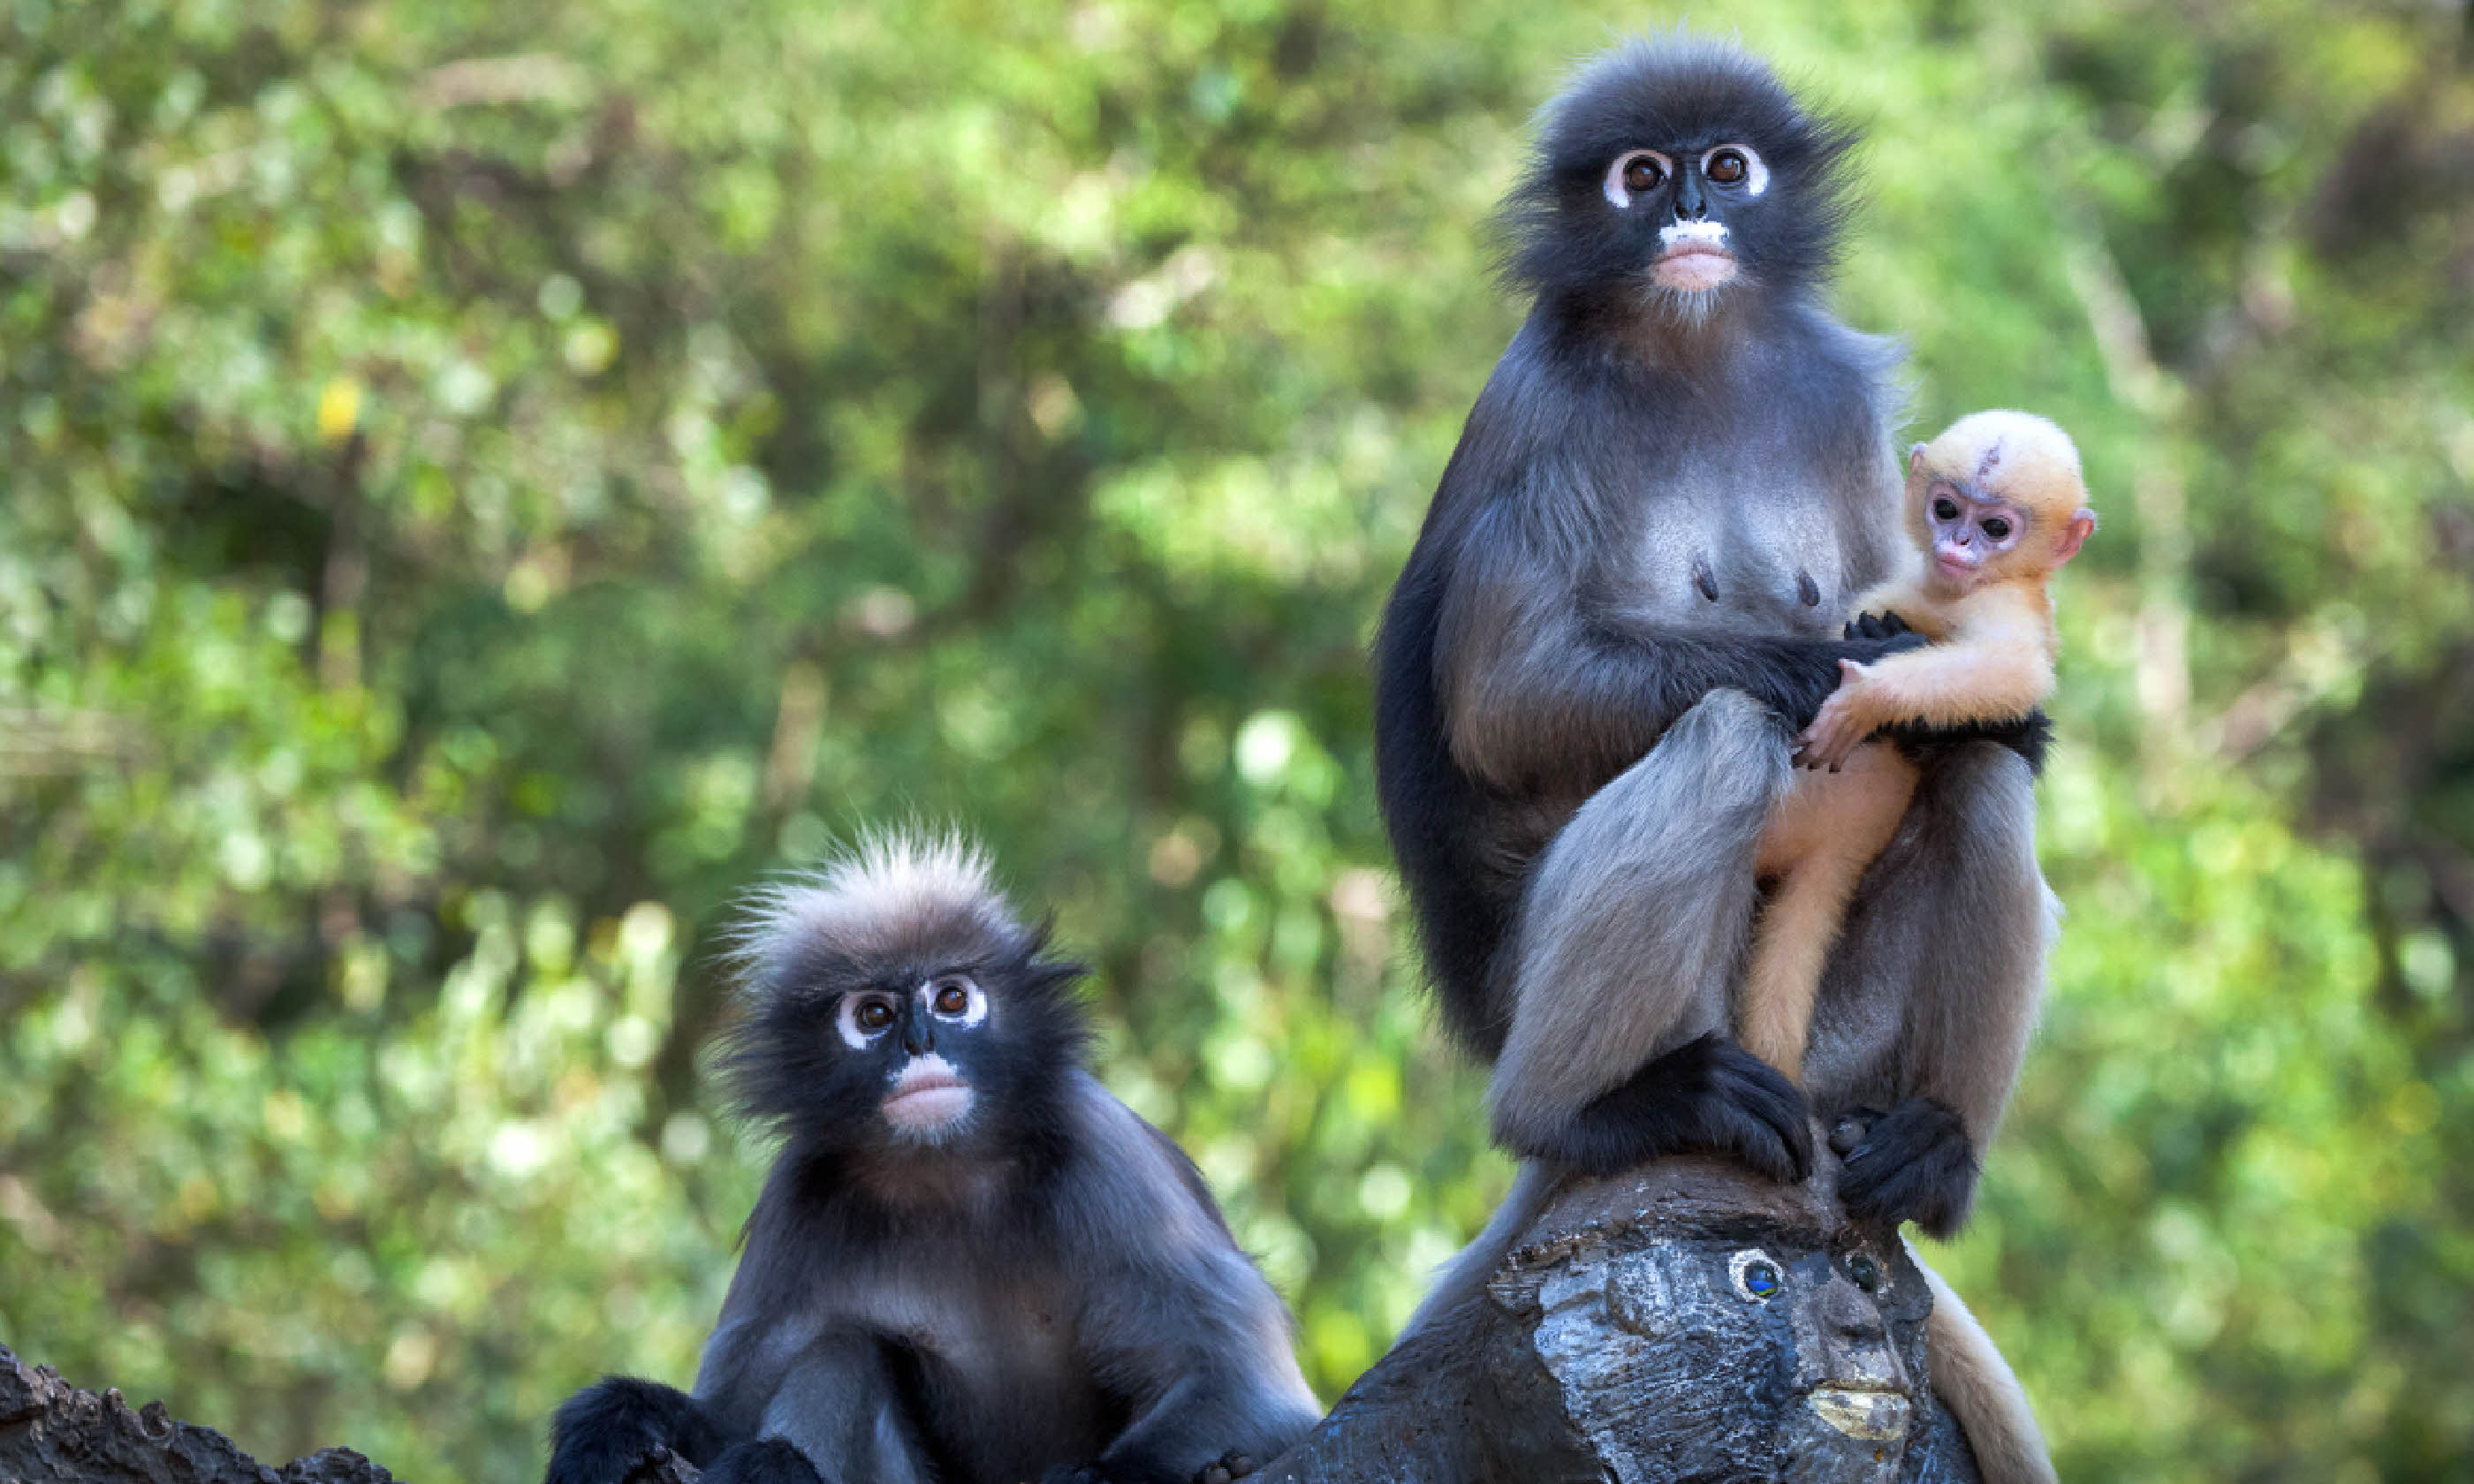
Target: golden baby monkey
{"type": "Point", "coordinates": [1993, 505]}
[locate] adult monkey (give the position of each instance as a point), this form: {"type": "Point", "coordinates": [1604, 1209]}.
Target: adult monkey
{"type": "Point", "coordinates": [1626, 598]}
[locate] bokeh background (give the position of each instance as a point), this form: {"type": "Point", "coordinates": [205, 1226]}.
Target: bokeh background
{"type": "Point", "coordinates": [485, 484]}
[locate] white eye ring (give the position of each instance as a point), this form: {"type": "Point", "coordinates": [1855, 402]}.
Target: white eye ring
{"type": "Point", "coordinates": [975, 1009]}
{"type": "Point", "coordinates": [846, 1021]}
{"type": "Point", "coordinates": [1756, 176]}
{"type": "Point", "coordinates": [1617, 193]}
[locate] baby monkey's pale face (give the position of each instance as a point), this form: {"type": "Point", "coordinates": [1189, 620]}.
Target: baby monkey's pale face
{"type": "Point", "coordinates": [1970, 528]}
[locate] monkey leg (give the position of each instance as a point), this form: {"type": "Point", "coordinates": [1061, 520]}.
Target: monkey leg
{"type": "Point", "coordinates": [1926, 1004]}
{"type": "Point", "coordinates": [838, 1409]}
{"type": "Point", "coordinates": [605, 1430]}
{"type": "Point", "coordinates": [1631, 928]}
{"type": "Point", "coordinates": [1980, 1390]}
{"type": "Point", "coordinates": [1824, 833]}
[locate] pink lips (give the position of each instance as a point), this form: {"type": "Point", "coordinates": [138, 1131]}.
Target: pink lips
{"type": "Point", "coordinates": [926, 1099]}
{"type": "Point", "coordinates": [1694, 265]}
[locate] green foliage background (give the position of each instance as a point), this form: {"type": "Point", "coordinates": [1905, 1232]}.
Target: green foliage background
{"type": "Point", "coordinates": [486, 483]}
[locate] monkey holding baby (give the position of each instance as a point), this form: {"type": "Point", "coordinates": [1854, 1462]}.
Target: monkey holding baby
{"type": "Point", "coordinates": [1621, 627]}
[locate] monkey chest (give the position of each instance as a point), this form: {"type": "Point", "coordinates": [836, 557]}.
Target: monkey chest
{"type": "Point", "coordinates": [1002, 1370]}
{"type": "Point", "coordinates": [1709, 552]}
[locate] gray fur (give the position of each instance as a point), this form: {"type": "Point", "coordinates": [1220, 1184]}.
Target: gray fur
{"type": "Point", "coordinates": [1939, 971]}
{"type": "Point", "coordinates": [1031, 1334]}
{"type": "Point", "coordinates": [1650, 883]}
{"type": "Point", "coordinates": [1626, 596]}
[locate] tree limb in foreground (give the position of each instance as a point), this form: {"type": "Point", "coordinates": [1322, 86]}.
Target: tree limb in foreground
{"type": "Point", "coordinates": [1687, 1320]}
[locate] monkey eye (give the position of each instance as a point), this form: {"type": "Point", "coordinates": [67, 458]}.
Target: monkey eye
{"type": "Point", "coordinates": [955, 998]}
{"type": "Point", "coordinates": [1634, 173]}
{"type": "Point", "coordinates": [863, 1018]}
{"type": "Point", "coordinates": [1997, 527]}
{"type": "Point", "coordinates": [1735, 164]}
{"type": "Point", "coordinates": [1945, 507]}
{"type": "Point", "coordinates": [1865, 1271]}
{"type": "Point", "coordinates": [1756, 1274]}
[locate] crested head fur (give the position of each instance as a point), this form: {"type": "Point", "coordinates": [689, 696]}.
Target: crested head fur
{"type": "Point", "coordinates": [1679, 94]}
{"type": "Point", "coordinates": [895, 889]}
{"type": "Point", "coordinates": [901, 909]}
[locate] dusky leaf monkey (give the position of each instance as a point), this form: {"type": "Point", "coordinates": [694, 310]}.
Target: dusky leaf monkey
{"type": "Point", "coordinates": [970, 1264]}
{"type": "Point", "coordinates": [1994, 507]}
{"type": "Point", "coordinates": [1624, 602]}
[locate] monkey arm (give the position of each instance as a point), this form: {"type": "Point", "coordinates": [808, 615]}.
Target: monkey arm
{"type": "Point", "coordinates": [603, 1431]}
{"type": "Point", "coordinates": [1206, 1347]}
{"type": "Point", "coordinates": [1949, 685]}
{"type": "Point", "coordinates": [1539, 681]}
{"type": "Point", "coordinates": [1168, 1313]}
{"type": "Point", "coordinates": [1995, 668]}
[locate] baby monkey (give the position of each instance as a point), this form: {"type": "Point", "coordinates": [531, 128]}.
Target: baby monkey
{"type": "Point", "coordinates": [1994, 506]}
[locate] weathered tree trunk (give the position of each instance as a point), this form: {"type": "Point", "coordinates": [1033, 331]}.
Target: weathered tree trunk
{"type": "Point", "coordinates": [1685, 1321]}
{"type": "Point", "coordinates": [54, 1433]}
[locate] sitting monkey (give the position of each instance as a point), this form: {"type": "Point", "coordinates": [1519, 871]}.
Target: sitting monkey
{"type": "Point", "coordinates": [1995, 505]}
{"type": "Point", "coordinates": [971, 1264]}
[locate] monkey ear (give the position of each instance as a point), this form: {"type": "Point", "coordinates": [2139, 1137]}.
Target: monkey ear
{"type": "Point", "coordinates": [1915, 460]}
{"type": "Point", "coordinates": [2074, 534]}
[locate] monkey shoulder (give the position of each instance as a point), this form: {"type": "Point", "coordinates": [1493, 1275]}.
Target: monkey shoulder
{"type": "Point", "coordinates": [1127, 1176]}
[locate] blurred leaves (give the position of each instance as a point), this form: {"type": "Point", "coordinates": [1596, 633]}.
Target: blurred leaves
{"type": "Point", "coordinates": [485, 485]}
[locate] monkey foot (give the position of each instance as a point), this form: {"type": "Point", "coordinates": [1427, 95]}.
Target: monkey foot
{"type": "Point", "coordinates": [1707, 1097]}
{"type": "Point", "coordinates": [1912, 1164]}
{"type": "Point", "coordinates": [1228, 1467]}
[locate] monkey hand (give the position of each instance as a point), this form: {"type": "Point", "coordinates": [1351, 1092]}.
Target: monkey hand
{"type": "Point", "coordinates": [1842, 724]}
{"type": "Point", "coordinates": [1887, 626]}
{"type": "Point", "coordinates": [1912, 1164]}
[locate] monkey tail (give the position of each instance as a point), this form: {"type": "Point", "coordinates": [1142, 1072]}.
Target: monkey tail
{"type": "Point", "coordinates": [1460, 1279]}
{"type": "Point", "coordinates": [1977, 1386]}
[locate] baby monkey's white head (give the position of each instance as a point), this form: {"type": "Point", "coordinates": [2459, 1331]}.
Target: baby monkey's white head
{"type": "Point", "coordinates": [1997, 497]}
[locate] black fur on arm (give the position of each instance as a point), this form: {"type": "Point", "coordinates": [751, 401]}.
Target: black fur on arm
{"type": "Point", "coordinates": [2031, 737]}
{"type": "Point", "coordinates": [1790, 675]}
{"type": "Point", "coordinates": [605, 1431]}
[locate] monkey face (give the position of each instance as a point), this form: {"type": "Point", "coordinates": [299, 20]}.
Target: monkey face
{"type": "Point", "coordinates": [1690, 199]}
{"type": "Point", "coordinates": [927, 1092]}
{"type": "Point", "coordinates": [1994, 484]}
{"type": "Point", "coordinates": [1970, 529]}
{"type": "Point", "coordinates": [891, 1006]}
{"type": "Point", "coordinates": [1670, 171]}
